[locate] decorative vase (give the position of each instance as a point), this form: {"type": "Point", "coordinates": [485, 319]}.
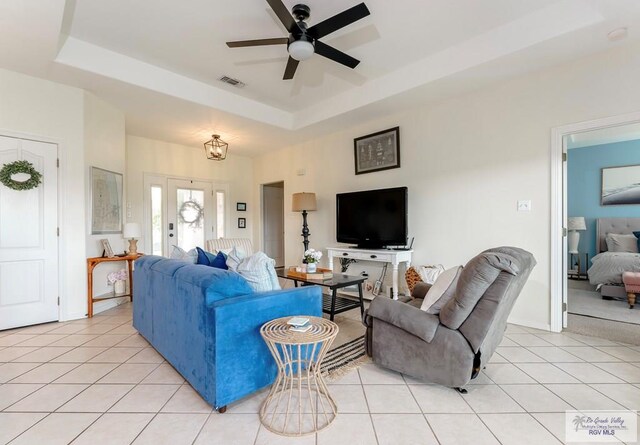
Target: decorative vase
{"type": "Point", "coordinates": [119, 287]}
{"type": "Point", "coordinates": [312, 267]}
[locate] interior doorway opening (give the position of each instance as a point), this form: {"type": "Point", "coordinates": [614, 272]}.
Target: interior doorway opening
{"type": "Point", "coordinates": [273, 221]}
{"type": "Point", "coordinates": [595, 163]}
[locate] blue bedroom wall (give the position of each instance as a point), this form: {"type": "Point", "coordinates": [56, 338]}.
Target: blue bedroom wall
{"type": "Point", "coordinates": [584, 184]}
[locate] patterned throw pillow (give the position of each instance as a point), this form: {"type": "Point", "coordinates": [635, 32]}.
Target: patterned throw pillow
{"type": "Point", "coordinates": [259, 271]}
{"type": "Point", "coordinates": [412, 277]}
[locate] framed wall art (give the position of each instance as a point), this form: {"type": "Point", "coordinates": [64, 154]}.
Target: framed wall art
{"type": "Point", "coordinates": [241, 206]}
{"type": "Point", "coordinates": [377, 151]}
{"type": "Point", "coordinates": [106, 201]}
{"type": "Point", "coordinates": [242, 223]}
{"type": "Point", "coordinates": [621, 185]}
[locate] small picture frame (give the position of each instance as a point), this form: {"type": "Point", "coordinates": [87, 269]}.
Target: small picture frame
{"type": "Point", "coordinates": [108, 251]}
{"type": "Point", "coordinates": [377, 151]}
{"type": "Point", "coordinates": [241, 206]}
{"type": "Point", "coordinates": [242, 223]}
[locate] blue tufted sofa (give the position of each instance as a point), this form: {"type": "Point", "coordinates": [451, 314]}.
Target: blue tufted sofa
{"type": "Point", "coordinates": [206, 321]}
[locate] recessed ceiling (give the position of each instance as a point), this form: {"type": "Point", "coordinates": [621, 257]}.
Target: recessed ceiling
{"type": "Point", "coordinates": [160, 60]}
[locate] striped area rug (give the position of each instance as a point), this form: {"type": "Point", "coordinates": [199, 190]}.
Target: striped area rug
{"type": "Point", "coordinates": [344, 358]}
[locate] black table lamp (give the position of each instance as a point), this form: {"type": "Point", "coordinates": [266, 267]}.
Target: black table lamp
{"type": "Point", "coordinates": [304, 202]}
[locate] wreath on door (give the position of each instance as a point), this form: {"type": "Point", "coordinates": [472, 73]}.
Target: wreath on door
{"type": "Point", "coordinates": [13, 168]}
{"type": "Point", "coordinates": [191, 212]}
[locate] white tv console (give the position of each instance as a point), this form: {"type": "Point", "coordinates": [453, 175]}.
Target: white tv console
{"type": "Point", "coordinates": [395, 257]}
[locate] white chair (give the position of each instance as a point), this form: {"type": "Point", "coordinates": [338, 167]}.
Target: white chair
{"type": "Point", "coordinates": [213, 245]}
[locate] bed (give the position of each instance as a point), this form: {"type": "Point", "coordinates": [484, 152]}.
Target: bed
{"type": "Point", "coordinates": [607, 267]}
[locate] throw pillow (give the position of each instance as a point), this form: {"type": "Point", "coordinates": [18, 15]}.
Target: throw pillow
{"type": "Point", "coordinates": [621, 243]}
{"type": "Point", "coordinates": [178, 253]}
{"type": "Point", "coordinates": [234, 258]}
{"type": "Point", "coordinates": [442, 291]}
{"type": "Point", "coordinates": [209, 259]}
{"type": "Point", "coordinates": [259, 271]}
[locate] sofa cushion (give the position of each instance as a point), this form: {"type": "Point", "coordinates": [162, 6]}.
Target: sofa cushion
{"type": "Point", "coordinates": [259, 271]}
{"type": "Point", "coordinates": [474, 280]}
{"type": "Point", "coordinates": [442, 291]}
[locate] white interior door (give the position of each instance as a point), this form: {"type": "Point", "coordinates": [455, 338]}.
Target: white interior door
{"type": "Point", "coordinates": [273, 222]}
{"type": "Point", "coordinates": [190, 213]}
{"type": "Point", "coordinates": [28, 238]}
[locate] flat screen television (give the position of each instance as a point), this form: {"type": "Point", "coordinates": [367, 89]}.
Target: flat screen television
{"type": "Point", "coordinates": [372, 219]}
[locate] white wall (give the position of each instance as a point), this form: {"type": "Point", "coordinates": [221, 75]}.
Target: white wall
{"type": "Point", "coordinates": [164, 158]}
{"type": "Point", "coordinates": [54, 112]}
{"type": "Point", "coordinates": [466, 162]}
{"type": "Point", "coordinates": [104, 143]}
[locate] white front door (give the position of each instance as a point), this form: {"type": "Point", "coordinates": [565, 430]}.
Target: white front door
{"type": "Point", "coordinates": [190, 213]}
{"type": "Point", "coordinates": [28, 238]}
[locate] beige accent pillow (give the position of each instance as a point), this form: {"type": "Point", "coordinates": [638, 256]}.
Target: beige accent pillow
{"type": "Point", "coordinates": [442, 291]}
{"type": "Point", "coordinates": [621, 243]}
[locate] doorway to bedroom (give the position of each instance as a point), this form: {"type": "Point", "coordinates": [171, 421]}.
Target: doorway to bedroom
{"type": "Point", "coordinates": [602, 204]}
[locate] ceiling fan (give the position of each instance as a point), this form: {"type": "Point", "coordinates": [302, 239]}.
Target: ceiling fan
{"type": "Point", "coordinates": [303, 42]}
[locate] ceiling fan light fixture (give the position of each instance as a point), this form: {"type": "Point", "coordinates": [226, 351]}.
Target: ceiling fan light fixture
{"type": "Point", "coordinates": [301, 50]}
{"type": "Point", "coordinates": [216, 148]}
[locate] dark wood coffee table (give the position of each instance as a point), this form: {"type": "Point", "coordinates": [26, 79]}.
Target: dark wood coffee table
{"type": "Point", "coordinates": [332, 304]}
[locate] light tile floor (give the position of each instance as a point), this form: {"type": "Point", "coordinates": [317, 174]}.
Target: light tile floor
{"type": "Point", "coordinates": [98, 382]}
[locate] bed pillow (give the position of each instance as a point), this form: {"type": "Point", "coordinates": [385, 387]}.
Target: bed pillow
{"type": "Point", "coordinates": [621, 243]}
{"type": "Point", "coordinates": [442, 291]}
{"type": "Point", "coordinates": [637, 235]}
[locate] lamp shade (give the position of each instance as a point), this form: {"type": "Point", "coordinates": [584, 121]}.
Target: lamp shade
{"type": "Point", "coordinates": [577, 223]}
{"type": "Point", "coordinates": [131, 230]}
{"type": "Point", "coordinates": [303, 201]}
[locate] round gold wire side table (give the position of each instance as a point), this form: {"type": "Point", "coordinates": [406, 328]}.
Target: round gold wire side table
{"type": "Point", "coordinates": [299, 402]}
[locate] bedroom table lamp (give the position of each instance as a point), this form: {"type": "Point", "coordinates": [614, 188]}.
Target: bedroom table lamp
{"type": "Point", "coordinates": [304, 202]}
{"type": "Point", "coordinates": [132, 232]}
{"type": "Point", "coordinates": [575, 224]}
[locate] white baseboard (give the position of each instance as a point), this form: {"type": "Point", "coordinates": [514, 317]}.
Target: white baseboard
{"type": "Point", "coordinates": [108, 304]}
{"type": "Point", "coordinates": [530, 324]}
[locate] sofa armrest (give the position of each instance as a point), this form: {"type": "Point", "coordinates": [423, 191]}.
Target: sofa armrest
{"type": "Point", "coordinates": [405, 317]}
{"type": "Point", "coordinates": [238, 346]}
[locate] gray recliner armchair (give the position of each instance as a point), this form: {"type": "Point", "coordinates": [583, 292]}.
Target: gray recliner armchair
{"type": "Point", "coordinates": [450, 348]}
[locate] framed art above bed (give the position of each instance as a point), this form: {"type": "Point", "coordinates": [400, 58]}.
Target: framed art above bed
{"type": "Point", "coordinates": [621, 185]}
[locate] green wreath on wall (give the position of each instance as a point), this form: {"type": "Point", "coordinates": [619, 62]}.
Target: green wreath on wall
{"type": "Point", "coordinates": [13, 168]}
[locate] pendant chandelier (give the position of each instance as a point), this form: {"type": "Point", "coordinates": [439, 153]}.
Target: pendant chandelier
{"type": "Point", "coordinates": [216, 148]}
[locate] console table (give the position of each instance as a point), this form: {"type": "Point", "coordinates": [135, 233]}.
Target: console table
{"type": "Point", "coordinates": [395, 257]}
{"type": "Point", "coordinates": [92, 263]}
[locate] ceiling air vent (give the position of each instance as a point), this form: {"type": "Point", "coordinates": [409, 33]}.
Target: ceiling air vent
{"type": "Point", "coordinates": [231, 81]}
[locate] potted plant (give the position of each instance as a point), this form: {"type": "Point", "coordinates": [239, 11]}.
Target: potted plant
{"type": "Point", "coordinates": [312, 257]}
{"type": "Point", "coordinates": [119, 281]}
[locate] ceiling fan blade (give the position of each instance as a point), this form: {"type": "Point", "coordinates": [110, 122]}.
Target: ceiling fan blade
{"type": "Point", "coordinates": [283, 14]}
{"type": "Point", "coordinates": [290, 70]}
{"type": "Point", "coordinates": [259, 42]}
{"type": "Point", "coordinates": [339, 21]}
{"type": "Point", "coordinates": [337, 56]}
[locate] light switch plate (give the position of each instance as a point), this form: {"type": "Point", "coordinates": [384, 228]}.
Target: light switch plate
{"type": "Point", "coordinates": [524, 205]}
